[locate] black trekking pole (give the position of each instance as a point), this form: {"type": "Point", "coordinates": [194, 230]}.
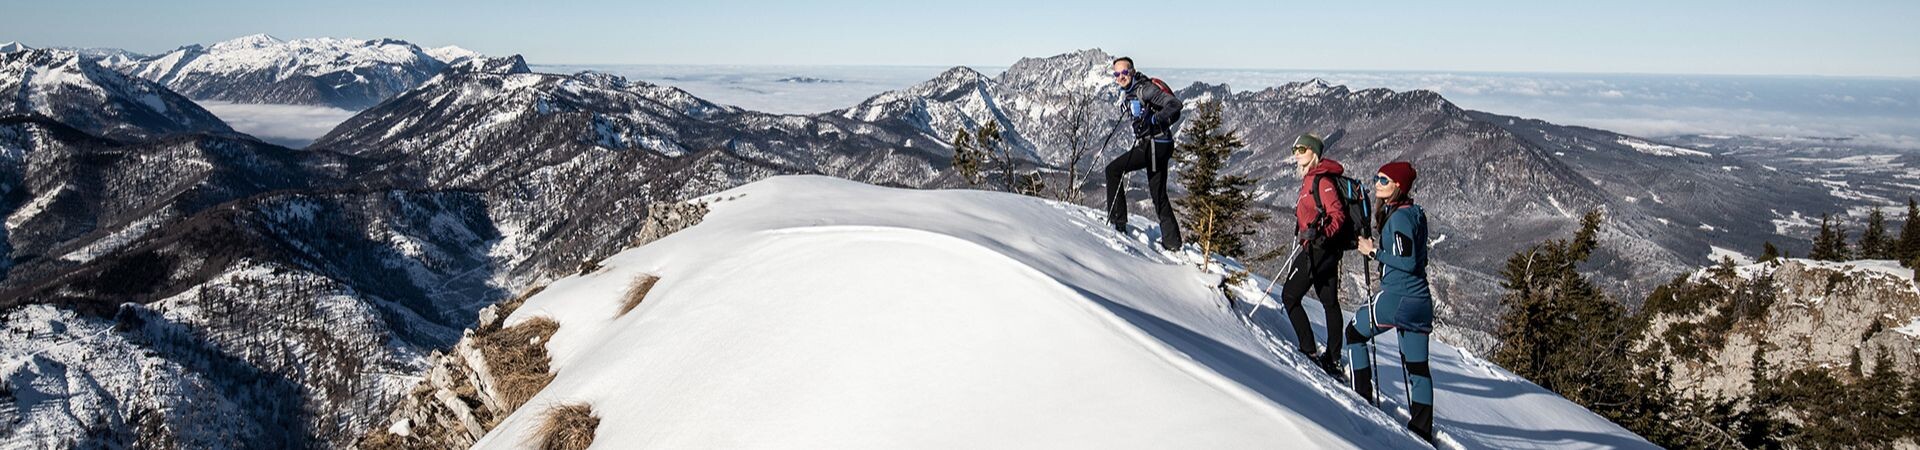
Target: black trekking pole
{"type": "Point", "coordinates": [1104, 142]}
{"type": "Point", "coordinates": [1373, 310]}
{"type": "Point", "coordinates": [1405, 377]}
{"type": "Point", "coordinates": [1108, 140]}
{"type": "Point", "coordinates": [1268, 293]}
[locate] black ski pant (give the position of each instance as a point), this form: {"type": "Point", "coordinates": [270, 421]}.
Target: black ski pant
{"type": "Point", "coordinates": [1153, 156]}
{"type": "Point", "coordinates": [1318, 269]}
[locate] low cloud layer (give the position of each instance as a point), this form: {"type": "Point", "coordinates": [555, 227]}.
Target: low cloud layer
{"type": "Point", "coordinates": [1870, 111]}
{"type": "Point", "coordinates": [1883, 111]}
{"type": "Point", "coordinates": [290, 125]}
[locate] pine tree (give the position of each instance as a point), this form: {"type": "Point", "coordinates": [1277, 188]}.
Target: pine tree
{"type": "Point", "coordinates": [1831, 243]}
{"type": "Point", "coordinates": [1560, 331]}
{"type": "Point", "coordinates": [1874, 243]}
{"type": "Point", "coordinates": [1029, 183]}
{"type": "Point", "coordinates": [1909, 247]}
{"type": "Point", "coordinates": [1218, 207]}
{"type": "Point", "coordinates": [1913, 406]}
{"type": "Point", "coordinates": [1761, 429]}
{"type": "Point", "coordinates": [1878, 395]}
{"type": "Point", "coordinates": [986, 140]}
{"type": "Point", "coordinates": [966, 158]}
{"type": "Point", "coordinates": [1769, 253]}
{"type": "Point", "coordinates": [978, 152]}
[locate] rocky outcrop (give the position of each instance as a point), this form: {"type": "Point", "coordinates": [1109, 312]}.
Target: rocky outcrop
{"type": "Point", "coordinates": [468, 389]}
{"type": "Point", "coordinates": [462, 395]}
{"type": "Point", "coordinates": [1805, 313]}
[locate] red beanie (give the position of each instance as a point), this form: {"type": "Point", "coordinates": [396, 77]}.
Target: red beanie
{"type": "Point", "coordinates": [1400, 172]}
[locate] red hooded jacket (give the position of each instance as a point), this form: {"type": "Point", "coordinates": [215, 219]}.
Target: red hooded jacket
{"type": "Point", "coordinates": [1326, 195]}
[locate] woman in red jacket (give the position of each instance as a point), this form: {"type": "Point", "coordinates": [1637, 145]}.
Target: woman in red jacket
{"type": "Point", "coordinates": [1316, 265]}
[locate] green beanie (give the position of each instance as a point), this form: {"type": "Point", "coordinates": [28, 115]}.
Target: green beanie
{"type": "Point", "coordinates": [1311, 142]}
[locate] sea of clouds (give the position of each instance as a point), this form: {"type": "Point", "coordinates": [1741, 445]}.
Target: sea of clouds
{"type": "Point", "coordinates": [1876, 111]}
{"type": "Point", "coordinates": [1868, 111]}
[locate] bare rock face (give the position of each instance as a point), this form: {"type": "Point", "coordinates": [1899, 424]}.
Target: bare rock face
{"type": "Point", "coordinates": [1816, 314]}
{"type": "Point", "coordinates": [670, 218]}
{"type": "Point", "coordinates": [456, 403]}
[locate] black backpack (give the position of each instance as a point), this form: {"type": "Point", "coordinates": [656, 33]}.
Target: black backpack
{"type": "Point", "coordinates": [1357, 201]}
{"type": "Point", "coordinates": [1162, 86]}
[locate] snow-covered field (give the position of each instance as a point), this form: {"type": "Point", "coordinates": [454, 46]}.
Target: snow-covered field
{"type": "Point", "coordinates": [1716, 253]}
{"type": "Point", "coordinates": [812, 312]}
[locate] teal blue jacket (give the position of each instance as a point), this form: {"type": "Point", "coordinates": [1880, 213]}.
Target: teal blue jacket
{"type": "Point", "coordinates": [1403, 269]}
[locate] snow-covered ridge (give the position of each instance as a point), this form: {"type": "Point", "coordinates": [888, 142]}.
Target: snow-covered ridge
{"type": "Point", "coordinates": [452, 54]}
{"type": "Point", "coordinates": [346, 73]}
{"type": "Point", "coordinates": [69, 87]}
{"type": "Point", "coordinates": [311, 57]}
{"type": "Point", "coordinates": [1660, 149]}
{"type": "Point", "coordinates": [812, 312]}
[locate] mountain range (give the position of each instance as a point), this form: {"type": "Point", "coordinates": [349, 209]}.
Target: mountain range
{"type": "Point", "coordinates": [289, 297]}
{"type": "Point", "coordinates": [351, 74]}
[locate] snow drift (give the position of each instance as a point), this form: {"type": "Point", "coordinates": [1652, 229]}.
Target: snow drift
{"type": "Point", "coordinates": [813, 312]}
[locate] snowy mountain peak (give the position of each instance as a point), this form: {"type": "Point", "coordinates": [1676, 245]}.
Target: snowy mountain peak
{"type": "Point", "coordinates": [1311, 88]}
{"type": "Point", "coordinates": [453, 54]}
{"type": "Point", "coordinates": [605, 80]}
{"type": "Point", "coordinates": [1082, 71]}
{"type": "Point", "coordinates": [1076, 59]}
{"type": "Point", "coordinates": [504, 65]}
{"type": "Point", "coordinates": [12, 46]}
{"type": "Point", "coordinates": [346, 73]}
{"type": "Point", "coordinates": [955, 76]}
{"type": "Point", "coordinates": [256, 40]}
{"type": "Point", "coordinates": [66, 86]}
{"type": "Point", "coordinates": [1094, 340]}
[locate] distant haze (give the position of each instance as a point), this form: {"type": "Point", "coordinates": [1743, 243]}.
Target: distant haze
{"type": "Point", "coordinates": [1848, 38]}
{"type": "Point", "coordinates": [1869, 111]}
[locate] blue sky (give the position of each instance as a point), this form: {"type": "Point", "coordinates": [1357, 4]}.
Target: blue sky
{"type": "Point", "coordinates": [1846, 38]}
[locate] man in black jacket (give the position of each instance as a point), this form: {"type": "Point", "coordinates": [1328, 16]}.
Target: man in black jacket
{"type": "Point", "coordinates": [1152, 109]}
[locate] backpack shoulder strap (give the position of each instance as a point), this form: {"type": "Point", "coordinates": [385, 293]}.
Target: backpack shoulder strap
{"type": "Point", "coordinates": [1318, 203]}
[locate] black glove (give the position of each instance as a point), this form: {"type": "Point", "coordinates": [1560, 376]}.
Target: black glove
{"type": "Point", "coordinates": [1316, 235]}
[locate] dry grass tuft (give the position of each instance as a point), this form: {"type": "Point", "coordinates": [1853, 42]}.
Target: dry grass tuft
{"type": "Point", "coordinates": [638, 292]}
{"type": "Point", "coordinates": [517, 356]}
{"type": "Point", "coordinates": [567, 427]}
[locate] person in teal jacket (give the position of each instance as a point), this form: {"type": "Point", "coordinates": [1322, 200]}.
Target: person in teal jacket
{"type": "Point", "coordinates": [1405, 302]}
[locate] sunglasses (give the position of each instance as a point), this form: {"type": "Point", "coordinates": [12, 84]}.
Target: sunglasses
{"type": "Point", "coordinates": [1382, 180]}
{"type": "Point", "coordinates": [1123, 73]}
{"type": "Point", "coordinates": [1301, 149]}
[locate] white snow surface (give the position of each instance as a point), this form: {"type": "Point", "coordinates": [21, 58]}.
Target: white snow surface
{"type": "Point", "coordinates": [1911, 328]}
{"type": "Point", "coordinates": [1660, 149]}
{"type": "Point", "coordinates": [1878, 267]}
{"type": "Point", "coordinates": [1716, 253]}
{"type": "Point", "coordinates": [813, 312]}
{"type": "Point", "coordinates": [451, 54]}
